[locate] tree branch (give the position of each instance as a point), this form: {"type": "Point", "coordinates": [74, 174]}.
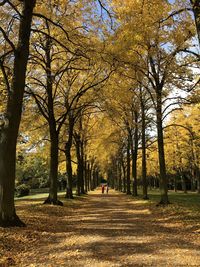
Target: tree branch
{"type": "Point", "coordinates": [8, 40]}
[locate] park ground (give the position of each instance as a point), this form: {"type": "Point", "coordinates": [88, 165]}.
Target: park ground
{"type": "Point", "coordinates": [100, 230]}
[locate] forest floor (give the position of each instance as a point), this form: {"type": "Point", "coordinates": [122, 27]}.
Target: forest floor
{"type": "Point", "coordinates": [100, 230]}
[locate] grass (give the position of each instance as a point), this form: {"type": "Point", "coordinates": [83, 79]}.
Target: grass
{"type": "Point", "coordinates": [186, 207]}
{"type": "Point", "coordinates": [190, 199]}
{"type": "Point", "coordinates": [39, 196]}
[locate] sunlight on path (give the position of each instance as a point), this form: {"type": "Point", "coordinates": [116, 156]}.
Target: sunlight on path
{"type": "Point", "coordinates": [107, 230]}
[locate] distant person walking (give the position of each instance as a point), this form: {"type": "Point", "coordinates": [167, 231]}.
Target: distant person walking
{"type": "Point", "coordinates": [102, 188]}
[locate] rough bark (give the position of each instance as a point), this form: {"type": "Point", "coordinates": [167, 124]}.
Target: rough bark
{"type": "Point", "coordinates": [120, 177]}
{"type": "Point", "coordinates": [9, 131]}
{"type": "Point", "coordinates": [85, 175]}
{"type": "Point", "coordinates": [128, 173]}
{"type": "Point", "coordinates": [144, 168]}
{"type": "Point", "coordinates": [134, 154]}
{"type": "Point", "coordinates": [82, 182]}
{"type": "Point", "coordinates": [124, 176]}
{"type": "Point", "coordinates": [53, 175]}
{"type": "Point", "coordinates": [68, 146]}
{"type": "Point", "coordinates": [162, 168]}
{"type": "Point", "coordinates": [79, 164]}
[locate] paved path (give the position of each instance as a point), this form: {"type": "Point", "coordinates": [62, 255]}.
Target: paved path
{"type": "Point", "coordinates": [107, 230]}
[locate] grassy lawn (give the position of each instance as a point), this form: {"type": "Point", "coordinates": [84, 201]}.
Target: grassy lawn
{"type": "Point", "coordinates": [186, 207]}
{"type": "Point", "coordinates": [191, 199]}
{"type": "Point", "coordinates": [38, 196]}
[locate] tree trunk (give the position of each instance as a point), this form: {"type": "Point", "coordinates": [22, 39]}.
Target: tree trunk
{"type": "Point", "coordinates": [85, 175]}
{"type": "Point", "coordinates": [78, 156]}
{"type": "Point", "coordinates": [128, 177]}
{"type": "Point", "coordinates": [68, 145]}
{"type": "Point", "coordinates": [82, 185]}
{"type": "Point", "coordinates": [196, 10]}
{"type": "Point", "coordinates": [9, 131]}
{"type": "Point", "coordinates": [163, 177]}
{"type": "Point", "coordinates": [89, 176]}
{"type": "Point", "coordinates": [69, 192]}
{"type": "Point", "coordinates": [53, 176]}
{"type": "Point", "coordinates": [134, 153]}
{"type": "Point", "coordinates": [124, 176]}
{"type": "Point", "coordinates": [175, 183]}
{"type": "Point", "coordinates": [183, 183]}
{"type": "Point", "coordinates": [144, 168]}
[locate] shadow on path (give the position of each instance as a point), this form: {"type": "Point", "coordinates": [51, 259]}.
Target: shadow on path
{"type": "Point", "coordinates": [106, 230]}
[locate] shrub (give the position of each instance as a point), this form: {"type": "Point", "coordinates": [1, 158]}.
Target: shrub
{"type": "Point", "coordinates": [22, 190]}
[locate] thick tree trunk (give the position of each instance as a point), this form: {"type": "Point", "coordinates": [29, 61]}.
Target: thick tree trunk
{"type": "Point", "coordinates": [163, 177]}
{"type": "Point", "coordinates": [144, 168]}
{"type": "Point", "coordinates": [9, 131]}
{"type": "Point", "coordinates": [53, 174]}
{"type": "Point", "coordinates": [128, 173]}
{"type": "Point", "coordinates": [134, 153]}
{"type": "Point", "coordinates": [175, 183]}
{"type": "Point", "coordinates": [124, 176]}
{"type": "Point", "coordinates": [82, 185]}
{"type": "Point", "coordinates": [183, 183]}
{"type": "Point", "coordinates": [120, 177]}
{"type": "Point", "coordinates": [68, 145]}
{"type": "Point", "coordinates": [80, 167]}
{"type": "Point", "coordinates": [69, 192]}
{"type": "Point", "coordinates": [85, 175]}
{"type": "Point", "coordinates": [89, 177]}
{"type": "Point", "coordinates": [120, 181]}
{"type": "Point", "coordinates": [78, 156]}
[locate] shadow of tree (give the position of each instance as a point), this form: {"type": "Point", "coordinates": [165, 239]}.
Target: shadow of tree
{"type": "Point", "coordinates": [105, 230]}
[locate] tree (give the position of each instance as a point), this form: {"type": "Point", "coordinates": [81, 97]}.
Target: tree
{"type": "Point", "coordinates": [154, 53]}
{"type": "Point", "coordinates": [12, 115]}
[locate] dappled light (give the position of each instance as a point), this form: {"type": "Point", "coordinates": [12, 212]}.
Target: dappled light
{"type": "Point", "coordinates": [100, 230]}
{"type": "Point", "coordinates": [99, 133]}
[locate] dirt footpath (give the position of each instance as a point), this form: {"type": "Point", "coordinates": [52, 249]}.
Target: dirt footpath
{"type": "Point", "coordinates": [99, 230]}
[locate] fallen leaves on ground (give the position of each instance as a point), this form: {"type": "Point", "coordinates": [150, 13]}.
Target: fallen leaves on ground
{"type": "Point", "coordinates": [101, 230]}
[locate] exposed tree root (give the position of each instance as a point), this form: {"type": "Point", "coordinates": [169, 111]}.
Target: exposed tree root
{"type": "Point", "coordinates": [12, 222]}
{"type": "Point", "coordinates": [52, 201]}
{"type": "Point", "coordinates": [163, 203]}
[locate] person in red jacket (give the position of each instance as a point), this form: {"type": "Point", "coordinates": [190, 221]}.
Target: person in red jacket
{"type": "Point", "coordinates": [102, 188]}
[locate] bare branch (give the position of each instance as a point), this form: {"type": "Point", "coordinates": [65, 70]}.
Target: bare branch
{"type": "Point", "coordinates": [55, 24]}
{"type": "Point", "coordinates": [54, 39]}
{"type": "Point", "coordinates": [176, 12]}
{"type": "Point", "coordinates": [5, 75]}
{"type": "Point", "coordinates": [7, 39]}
